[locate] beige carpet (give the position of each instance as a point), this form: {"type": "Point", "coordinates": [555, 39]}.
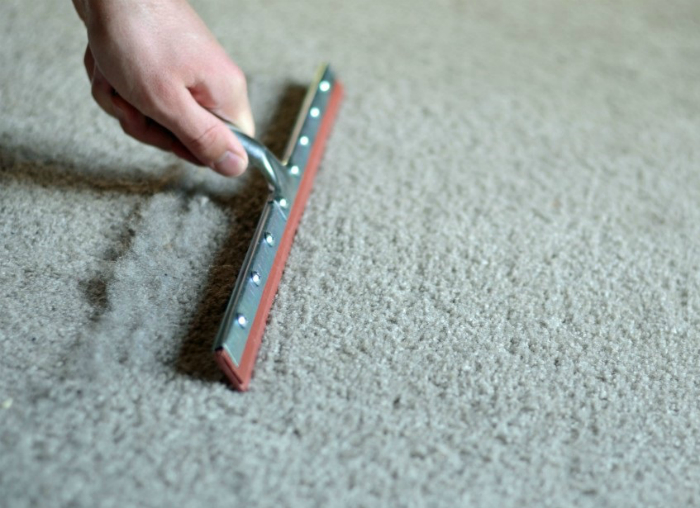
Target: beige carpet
{"type": "Point", "coordinates": [493, 298]}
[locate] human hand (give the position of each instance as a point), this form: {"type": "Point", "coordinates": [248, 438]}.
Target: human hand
{"type": "Point", "coordinates": [156, 67]}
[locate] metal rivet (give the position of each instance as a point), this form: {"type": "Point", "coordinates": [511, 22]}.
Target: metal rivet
{"type": "Point", "coordinates": [268, 239]}
{"type": "Point", "coordinates": [255, 277]}
{"type": "Point", "coordinates": [241, 320]}
{"type": "Point", "coordinates": [283, 202]}
{"type": "Point", "coordinates": [294, 170]}
{"type": "Point", "coordinates": [324, 86]}
{"type": "Point", "coordinates": [315, 112]}
{"type": "Point", "coordinates": [304, 140]}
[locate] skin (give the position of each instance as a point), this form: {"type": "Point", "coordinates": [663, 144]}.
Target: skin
{"type": "Point", "coordinates": [155, 67]}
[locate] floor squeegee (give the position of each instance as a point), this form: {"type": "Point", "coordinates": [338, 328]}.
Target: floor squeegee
{"type": "Point", "coordinates": [290, 181]}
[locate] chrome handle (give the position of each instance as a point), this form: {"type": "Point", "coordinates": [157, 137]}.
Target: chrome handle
{"type": "Point", "coordinates": [260, 157]}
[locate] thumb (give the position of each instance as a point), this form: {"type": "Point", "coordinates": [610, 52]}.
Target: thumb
{"type": "Point", "coordinates": [205, 136]}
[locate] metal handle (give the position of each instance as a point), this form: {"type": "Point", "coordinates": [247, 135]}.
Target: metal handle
{"type": "Point", "coordinates": [260, 157]}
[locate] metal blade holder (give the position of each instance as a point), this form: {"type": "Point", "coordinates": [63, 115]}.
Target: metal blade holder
{"type": "Point", "coordinates": [283, 178]}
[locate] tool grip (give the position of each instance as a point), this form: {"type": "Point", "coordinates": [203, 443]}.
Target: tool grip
{"type": "Point", "coordinates": [260, 157]}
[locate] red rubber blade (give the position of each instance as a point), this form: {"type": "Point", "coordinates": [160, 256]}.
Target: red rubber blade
{"type": "Point", "coordinates": [240, 375]}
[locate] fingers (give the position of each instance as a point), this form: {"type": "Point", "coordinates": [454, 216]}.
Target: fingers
{"type": "Point", "coordinates": [101, 90]}
{"type": "Point", "coordinates": [138, 126]}
{"type": "Point", "coordinates": [227, 97]}
{"type": "Point", "coordinates": [203, 134]}
{"type": "Point", "coordinates": [89, 62]}
{"type": "Point", "coordinates": [133, 122]}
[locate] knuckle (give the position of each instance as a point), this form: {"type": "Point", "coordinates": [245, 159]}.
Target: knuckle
{"type": "Point", "coordinates": [126, 128]}
{"type": "Point", "coordinates": [96, 90]}
{"type": "Point", "coordinates": [204, 142]}
{"type": "Point", "coordinates": [132, 131]}
{"type": "Point", "coordinates": [130, 127]}
{"type": "Point", "coordinates": [237, 77]}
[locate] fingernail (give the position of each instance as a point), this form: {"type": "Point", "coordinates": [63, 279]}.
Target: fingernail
{"type": "Point", "coordinates": [230, 164]}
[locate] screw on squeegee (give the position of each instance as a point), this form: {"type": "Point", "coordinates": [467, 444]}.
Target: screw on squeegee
{"type": "Point", "coordinates": [241, 320]}
{"type": "Point", "coordinates": [255, 277]}
{"type": "Point", "coordinates": [283, 203]}
{"type": "Point", "coordinates": [324, 86]}
{"type": "Point", "coordinates": [294, 170]}
{"type": "Point", "coordinates": [269, 239]}
{"type": "Point", "coordinates": [304, 140]}
{"type": "Point", "coordinates": [315, 112]}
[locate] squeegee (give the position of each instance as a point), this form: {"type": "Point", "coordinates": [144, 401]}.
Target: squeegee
{"type": "Point", "coordinates": [290, 180]}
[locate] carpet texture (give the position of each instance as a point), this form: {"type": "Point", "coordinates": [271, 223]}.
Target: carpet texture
{"type": "Point", "coordinates": [493, 298]}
